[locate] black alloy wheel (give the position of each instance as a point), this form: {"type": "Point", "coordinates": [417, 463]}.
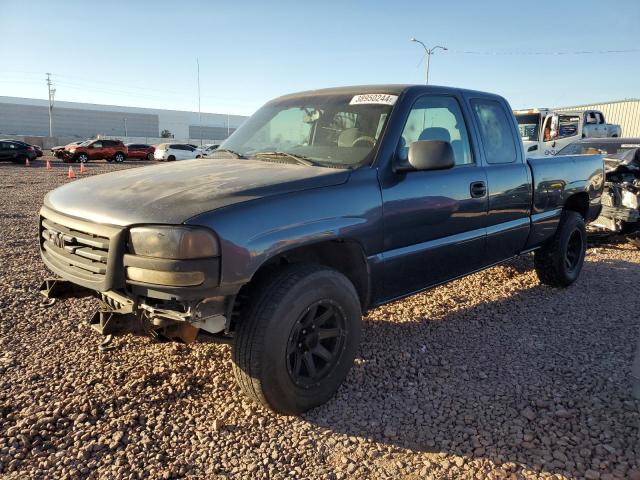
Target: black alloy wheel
{"type": "Point", "coordinates": [316, 343]}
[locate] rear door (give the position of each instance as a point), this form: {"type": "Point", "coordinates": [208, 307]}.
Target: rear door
{"type": "Point", "coordinates": [4, 151]}
{"type": "Point", "coordinates": [433, 220]}
{"type": "Point", "coordinates": [508, 177]}
{"type": "Point", "coordinates": [95, 150]}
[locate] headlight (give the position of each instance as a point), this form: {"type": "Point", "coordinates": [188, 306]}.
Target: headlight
{"type": "Point", "coordinates": [173, 242]}
{"type": "Point", "coordinates": [72, 150]}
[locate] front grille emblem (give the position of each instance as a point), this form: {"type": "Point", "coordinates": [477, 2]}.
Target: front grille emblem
{"type": "Point", "coordinates": [58, 239]}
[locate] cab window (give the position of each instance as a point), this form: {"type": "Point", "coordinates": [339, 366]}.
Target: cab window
{"type": "Point", "coordinates": [568, 125]}
{"type": "Point", "coordinates": [437, 118]}
{"type": "Point", "coordinates": [495, 130]}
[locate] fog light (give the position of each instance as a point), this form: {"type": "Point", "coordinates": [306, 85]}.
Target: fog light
{"type": "Point", "coordinates": [157, 277]}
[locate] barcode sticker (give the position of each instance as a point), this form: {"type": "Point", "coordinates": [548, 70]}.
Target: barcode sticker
{"type": "Point", "coordinates": [374, 99]}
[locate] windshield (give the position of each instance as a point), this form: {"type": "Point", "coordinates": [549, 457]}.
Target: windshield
{"type": "Point", "coordinates": [85, 143]}
{"type": "Point", "coordinates": [602, 148]}
{"type": "Point", "coordinates": [529, 126]}
{"type": "Point", "coordinates": [329, 130]}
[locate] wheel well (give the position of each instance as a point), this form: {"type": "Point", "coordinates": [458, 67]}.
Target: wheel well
{"type": "Point", "coordinates": [578, 202]}
{"type": "Point", "coordinates": [345, 256]}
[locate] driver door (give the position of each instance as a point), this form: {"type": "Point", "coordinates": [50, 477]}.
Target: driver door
{"type": "Point", "coordinates": [434, 220]}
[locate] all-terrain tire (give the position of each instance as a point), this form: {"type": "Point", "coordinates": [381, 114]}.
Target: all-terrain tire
{"type": "Point", "coordinates": [271, 354]}
{"type": "Point", "coordinates": [558, 264]}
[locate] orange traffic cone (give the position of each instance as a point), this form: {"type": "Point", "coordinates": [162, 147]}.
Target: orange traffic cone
{"type": "Point", "coordinates": [49, 165]}
{"type": "Point", "coordinates": [83, 169]}
{"type": "Point", "coordinates": [71, 172]}
{"type": "Point", "coordinates": [26, 162]}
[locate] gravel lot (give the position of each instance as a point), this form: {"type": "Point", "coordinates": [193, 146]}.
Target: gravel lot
{"type": "Point", "coordinates": [492, 376]}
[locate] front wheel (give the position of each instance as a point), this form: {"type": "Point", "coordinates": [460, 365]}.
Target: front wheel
{"type": "Point", "coordinates": [559, 263]}
{"type": "Point", "coordinates": [119, 157]}
{"type": "Point", "coordinates": [82, 158]}
{"type": "Point", "coordinates": [297, 337]}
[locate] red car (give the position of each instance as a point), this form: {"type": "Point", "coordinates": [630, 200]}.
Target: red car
{"type": "Point", "coordinates": [140, 150]}
{"type": "Point", "coordinates": [110, 150]}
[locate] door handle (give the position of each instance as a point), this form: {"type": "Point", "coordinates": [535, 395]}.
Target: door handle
{"type": "Point", "coordinates": [478, 189]}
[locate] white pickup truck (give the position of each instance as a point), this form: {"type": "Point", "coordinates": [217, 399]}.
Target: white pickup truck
{"type": "Point", "coordinates": [545, 131]}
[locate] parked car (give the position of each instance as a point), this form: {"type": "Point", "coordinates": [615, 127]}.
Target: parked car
{"type": "Point", "coordinates": [140, 150]}
{"type": "Point", "coordinates": [322, 205]}
{"type": "Point", "coordinates": [110, 150]}
{"type": "Point", "coordinates": [176, 151]}
{"type": "Point", "coordinates": [16, 152]}
{"type": "Point", "coordinates": [37, 149]}
{"type": "Point", "coordinates": [621, 197]}
{"type": "Point", "coordinates": [58, 151]}
{"type": "Point", "coordinates": [210, 148]}
{"type": "Point", "coordinates": [545, 132]}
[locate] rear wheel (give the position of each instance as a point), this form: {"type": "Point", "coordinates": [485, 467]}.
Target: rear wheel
{"type": "Point", "coordinates": [297, 337]}
{"type": "Point", "coordinates": [149, 156]}
{"type": "Point", "coordinates": [559, 263]}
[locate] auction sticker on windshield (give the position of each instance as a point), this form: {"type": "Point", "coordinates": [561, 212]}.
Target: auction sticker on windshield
{"type": "Point", "coordinates": [374, 99]}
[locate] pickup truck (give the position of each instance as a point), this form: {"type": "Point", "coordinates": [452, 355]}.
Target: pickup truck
{"type": "Point", "coordinates": [323, 205]}
{"type": "Point", "coordinates": [545, 131]}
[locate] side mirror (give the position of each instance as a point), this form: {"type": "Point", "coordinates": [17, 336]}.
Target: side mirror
{"type": "Point", "coordinates": [430, 155]}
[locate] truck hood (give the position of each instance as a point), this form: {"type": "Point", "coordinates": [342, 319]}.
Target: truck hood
{"type": "Point", "coordinates": [174, 192]}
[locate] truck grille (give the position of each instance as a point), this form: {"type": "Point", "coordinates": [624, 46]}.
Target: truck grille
{"type": "Point", "coordinates": [79, 250]}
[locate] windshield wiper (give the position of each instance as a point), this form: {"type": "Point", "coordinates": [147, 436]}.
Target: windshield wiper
{"type": "Point", "coordinates": [298, 158]}
{"type": "Point", "coordinates": [226, 150]}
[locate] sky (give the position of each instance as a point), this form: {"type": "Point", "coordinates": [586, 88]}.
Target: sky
{"type": "Point", "coordinates": [143, 53]}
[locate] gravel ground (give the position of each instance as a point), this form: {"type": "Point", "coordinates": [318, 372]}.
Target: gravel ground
{"type": "Point", "coordinates": [492, 376]}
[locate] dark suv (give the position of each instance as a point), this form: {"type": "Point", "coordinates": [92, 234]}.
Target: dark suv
{"type": "Point", "coordinates": [17, 152]}
{"type": "Point", "coordinates": [110, 150]}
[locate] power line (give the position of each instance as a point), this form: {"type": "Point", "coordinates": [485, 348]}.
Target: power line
{"type": "Point", "coordinates": [549, 53]}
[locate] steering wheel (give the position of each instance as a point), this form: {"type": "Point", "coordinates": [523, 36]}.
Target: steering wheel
{"type": "Point", "coordinates": [364, 138]}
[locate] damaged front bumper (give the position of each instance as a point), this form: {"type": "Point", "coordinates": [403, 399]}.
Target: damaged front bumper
{"type": "Point", "coordinates": [118, 313]}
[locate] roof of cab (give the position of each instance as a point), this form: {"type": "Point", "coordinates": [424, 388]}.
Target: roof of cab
{"type": "Point", "coordinates": [392, 89]}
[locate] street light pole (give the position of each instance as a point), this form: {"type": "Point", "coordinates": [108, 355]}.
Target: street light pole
{"type": "Point", "coordinates": [52, 93]}
{"type": "Point", "coordinates": [199, 112]}
{"type": "Point", "coordinates": [428, 52]}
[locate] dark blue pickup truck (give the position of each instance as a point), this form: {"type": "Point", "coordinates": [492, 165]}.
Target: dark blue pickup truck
{"type": "Point", "coordinates": [321, 206]}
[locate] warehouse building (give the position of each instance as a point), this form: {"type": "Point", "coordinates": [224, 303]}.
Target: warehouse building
{"type": "Point", "coordinates": [30, 117]}
{"type": "Point", "coordinates": [626, 113]}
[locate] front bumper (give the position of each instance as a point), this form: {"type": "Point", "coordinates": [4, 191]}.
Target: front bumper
{"type": "Point", "coordinates": [94, 256]}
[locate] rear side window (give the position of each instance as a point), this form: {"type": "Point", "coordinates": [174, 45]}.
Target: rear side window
{"type": "Point", "coordinates": [496, 131]}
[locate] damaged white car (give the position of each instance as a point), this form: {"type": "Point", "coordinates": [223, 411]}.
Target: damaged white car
{"type": "Point", "coordinates": [621, 197]}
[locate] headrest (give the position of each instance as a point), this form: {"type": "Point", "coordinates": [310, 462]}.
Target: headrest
{"type": "Point", "coordinates": [435, 133]}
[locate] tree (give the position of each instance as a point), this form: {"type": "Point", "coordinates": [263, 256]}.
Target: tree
{"type": "Point", "coordinates": [166, 134]}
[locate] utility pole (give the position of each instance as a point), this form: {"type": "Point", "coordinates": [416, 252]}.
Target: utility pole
{"type": "Point", "coordinates": [52, 93]}
{"type": "Point", "coordinates": [199, 112]}
{"type": "Point", "coordinates": [228, 129]}
{"type": "Point", "coordinates": [428, 52]}
{"type": "Point", "coordinates": [125, 126]}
